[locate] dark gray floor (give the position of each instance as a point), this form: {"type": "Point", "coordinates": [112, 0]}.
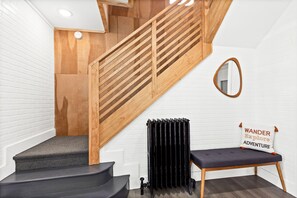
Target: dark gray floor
{"type": "Point", "coordinates": [237, 187]}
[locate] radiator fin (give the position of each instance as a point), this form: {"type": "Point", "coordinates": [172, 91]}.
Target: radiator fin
{"type": "Point", "coordinates": [168, 143]}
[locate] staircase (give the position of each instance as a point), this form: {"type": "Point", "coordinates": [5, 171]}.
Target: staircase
{"type": "Point", "coordinates": [59, 167]}
{"type": "Point", "coordinates": [132, 75]}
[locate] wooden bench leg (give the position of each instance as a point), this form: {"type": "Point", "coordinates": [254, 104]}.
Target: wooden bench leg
{"type": "Point", "coordinates": [279, 170]}
{"type": "Point", "coordinates": [203, 171]}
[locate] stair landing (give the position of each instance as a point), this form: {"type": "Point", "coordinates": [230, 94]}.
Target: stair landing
{"type": "Point", "coordinates": [59, 151]}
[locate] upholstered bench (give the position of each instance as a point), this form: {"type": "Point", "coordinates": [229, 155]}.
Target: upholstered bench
{"type": "Point", "coordinates": [231, 158]}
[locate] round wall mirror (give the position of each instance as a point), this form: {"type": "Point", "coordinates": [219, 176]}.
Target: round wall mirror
{"type": "Point", "coordinates": [228, 78]}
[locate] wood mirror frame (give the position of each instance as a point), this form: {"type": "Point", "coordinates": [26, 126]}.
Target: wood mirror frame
{"type": "Point", "coordinates": [240, 77]}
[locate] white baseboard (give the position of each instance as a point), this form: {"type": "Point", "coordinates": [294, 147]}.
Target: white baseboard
{"type": "Point", "coordinates": [274, 179]}
{"type": "Point", "coordinates": [8, 166]}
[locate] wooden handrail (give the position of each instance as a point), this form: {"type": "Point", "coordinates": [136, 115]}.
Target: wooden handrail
{"type": "Point", "coordinates": [137, 31]}
{"type": "Point", "coordinates": [130, 76]}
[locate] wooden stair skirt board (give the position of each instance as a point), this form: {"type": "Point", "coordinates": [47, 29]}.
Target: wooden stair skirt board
{"type": "Point", "coordinates": [128, 78]}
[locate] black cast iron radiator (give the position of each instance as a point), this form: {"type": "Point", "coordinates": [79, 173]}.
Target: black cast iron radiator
{"type": "Point", "coordinates": [168, 150]}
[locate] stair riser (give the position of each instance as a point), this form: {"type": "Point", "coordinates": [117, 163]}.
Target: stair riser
{"type": "Point", "coordinates": [51, 162]}
{"type": "Point", "coordinates": [123, 193]}
{"type": "Point", "coordinates": [30, 189]}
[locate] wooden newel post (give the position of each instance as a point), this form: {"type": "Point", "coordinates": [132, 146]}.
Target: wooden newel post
{"type": "Point", "coordinates": [94, 141]}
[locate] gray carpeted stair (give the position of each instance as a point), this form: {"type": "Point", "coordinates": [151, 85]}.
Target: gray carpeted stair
{"type": "Point", "coordinates": [59, 151]}
{"type": "Point", "coordinates": [117, 187]}
{"type": "Point", "coordinates": [82, 181]}
{"type": "Point", "coordinates": [59, 167]}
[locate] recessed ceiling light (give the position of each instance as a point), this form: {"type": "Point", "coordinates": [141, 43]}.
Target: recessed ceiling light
{"type": "Point", "coordinates": [65, 13]}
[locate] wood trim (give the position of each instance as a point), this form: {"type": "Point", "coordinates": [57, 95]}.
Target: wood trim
{"type": "Point", "coordinates": [215, 16]}
{"type": "Point", "coordinates": [104, 16]}
{"type": "Point", "coordinates": [240, 76]}
{"type": "Point", "coordinates": [130, 3]}
{"type": "Point", "coordinates": [80, 30]}
{"type": "Point", "coordinates": [94, 134]}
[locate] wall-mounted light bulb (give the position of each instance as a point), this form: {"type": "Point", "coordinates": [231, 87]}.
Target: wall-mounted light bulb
{"type": "Point", "coordinates": [78, 35]}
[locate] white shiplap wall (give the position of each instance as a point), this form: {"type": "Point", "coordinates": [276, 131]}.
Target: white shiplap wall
{"type": "Point", "coordinates": [26, 81]}
{"type": "Point", "coordinates": [276, 93]}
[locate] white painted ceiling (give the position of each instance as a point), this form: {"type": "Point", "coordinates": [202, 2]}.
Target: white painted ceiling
{"type": "Point", "coordinates": [86, 15]}
{"type": "Point", "coordinates": [248, 21]}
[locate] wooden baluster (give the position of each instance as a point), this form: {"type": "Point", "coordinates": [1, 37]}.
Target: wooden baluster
{"type": "Point", "coordinates": [94, 141]}
{"type": "Point", "coordinates": [154, 59]}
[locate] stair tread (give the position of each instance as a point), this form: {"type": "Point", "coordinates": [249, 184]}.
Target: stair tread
{"type": "Point", "coordinates": [39, 175]}
{"type": "Point", "coordinates": [59, 145]}
{"type": "Point", "coordinates": [109, 189]}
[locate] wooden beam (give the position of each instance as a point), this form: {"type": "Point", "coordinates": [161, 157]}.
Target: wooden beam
{"type": "Point", "coordinates": [118, 3]}
{"type": "Point", "coordinates": [104, 15]}
{"type": "Point", "coordinates": [215, 16]}
{"type": "Point", "coordinates": [80, 30]}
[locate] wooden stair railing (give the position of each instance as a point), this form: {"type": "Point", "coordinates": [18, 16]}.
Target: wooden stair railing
{"type": "Point", "coordinates": [215, 11]}
{"type": "Point", "coordinates": [129, 77]}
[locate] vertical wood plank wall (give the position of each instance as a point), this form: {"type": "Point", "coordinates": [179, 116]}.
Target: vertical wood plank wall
{"type": "Point", "coordinates": [71, 80]}
{"type": "Point", "coordinates": [72, 58]}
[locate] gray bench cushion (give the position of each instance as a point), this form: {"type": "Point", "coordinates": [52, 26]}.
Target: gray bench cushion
{"type": "Point", "coordinates": [215, 158]}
